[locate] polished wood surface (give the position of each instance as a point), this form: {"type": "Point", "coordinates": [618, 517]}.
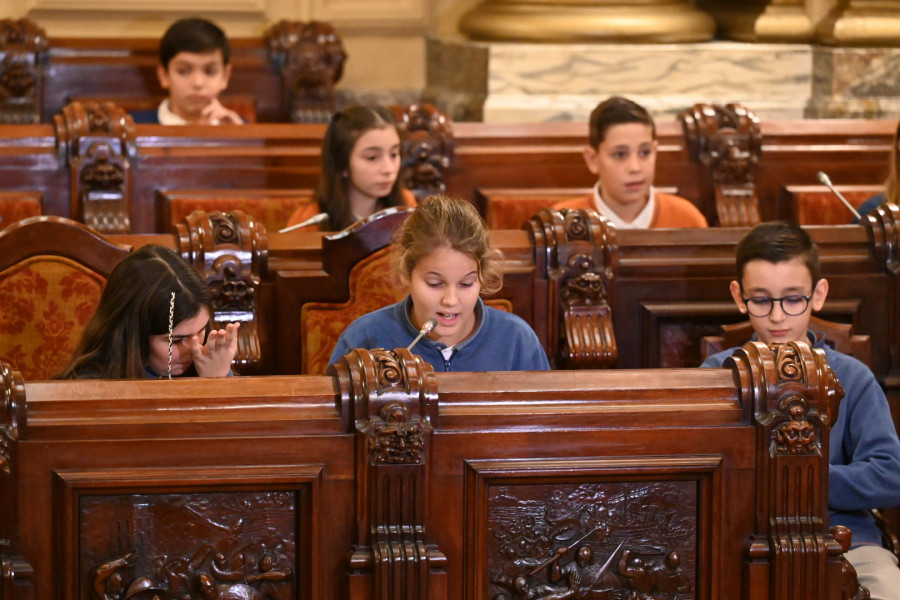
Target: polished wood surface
{"type": "Point", "coordinates": [384, 480]}
{"type": "Point", "coordinates": [90, 150]}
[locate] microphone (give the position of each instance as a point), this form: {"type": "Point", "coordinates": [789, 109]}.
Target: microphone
{"type": "Point", "coordinates": [427, 328]}
{"type": "Point", "coordinates": [319, 218]}
{"type": "Point", "coordinates": [823, 178]}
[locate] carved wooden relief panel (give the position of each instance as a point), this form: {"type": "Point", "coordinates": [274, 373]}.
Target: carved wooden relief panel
{"type": "Point", "coordinates": [601, 533]}
{"type": "Point", "coordinates": [568, 541]}
{"type": "Point", "coordinates": [168, 542]}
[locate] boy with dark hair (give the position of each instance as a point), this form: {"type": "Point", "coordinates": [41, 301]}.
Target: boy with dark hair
{"type": "Point", "coordinates": [194, 67]}
{"type": "Point", "coordinates": [778, 286]}
{"type": "Point", "coordinates": [622, 154]}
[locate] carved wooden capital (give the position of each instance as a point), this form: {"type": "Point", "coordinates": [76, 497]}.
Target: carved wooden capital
{"type": "Point", "coordinates": [311, 59]}
{"type": "Point", "coordinates": [883, 226]}
{"type": "Point", "coordinates": [22, 34]}
{"type": "Point", "coordinates": [428, 144]}
{"type": "Point", "coordinates": [577, 251]}
{"type": "Point", "coordinates": [390, 397]}
{"type": "Point", "coordinates": [230, 251]}
{"type": "Point", "coordinates": [727, 140]}
{"type": "Point", "coordinates": [81, 124]}
{"type": "Point", "coordinates": [793, 396]}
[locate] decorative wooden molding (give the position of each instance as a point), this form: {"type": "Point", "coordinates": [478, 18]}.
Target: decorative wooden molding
{"type": "Point", "coordinates": [390, 398]}
{"type": "Point", "coordinates": [427, 135]}
{"type": "Point", "coordinates": [23, 52]}
{"type": "Point", "coordinates": [727, 141]}
{"type": "Point", "coordinates": [230, 251]}
{"type": "Point", "coordinates": [97, 139]}
{"type": "Point", "coordinates": [780, 384]}
{"type": "Point", "coordinates": [577, 251]}
{"type": "Point", "coordinates": [16, 574]}
{"type": "Point", "coordinates": [311, 59]}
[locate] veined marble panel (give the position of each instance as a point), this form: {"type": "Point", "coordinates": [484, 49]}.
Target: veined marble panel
{"type": "Point", "coordinates": [856, 82]}
{"type": "Point", "coordinates": [544, 82]}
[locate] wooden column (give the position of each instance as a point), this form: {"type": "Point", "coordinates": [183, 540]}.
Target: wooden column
{"type": "Point", "coordinates": [648, 21]}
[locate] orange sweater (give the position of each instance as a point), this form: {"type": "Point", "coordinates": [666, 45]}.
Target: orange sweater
{"type": "Point", "coordinates": [671, 210]}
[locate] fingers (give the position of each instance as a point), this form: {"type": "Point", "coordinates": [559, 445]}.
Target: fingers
{"type": "Point", "coordinates": [215, 114]}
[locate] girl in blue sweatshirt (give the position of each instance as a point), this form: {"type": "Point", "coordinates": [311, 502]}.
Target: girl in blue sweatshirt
{"type": "Point", "coordinates": [442, 255]}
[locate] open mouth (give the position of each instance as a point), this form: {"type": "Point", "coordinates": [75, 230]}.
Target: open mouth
{"type": "Point", "coordinates": [447, 318]}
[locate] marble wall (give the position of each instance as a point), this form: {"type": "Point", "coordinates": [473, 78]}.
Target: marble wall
{"type": "Point", "coordinates": [509, 82]}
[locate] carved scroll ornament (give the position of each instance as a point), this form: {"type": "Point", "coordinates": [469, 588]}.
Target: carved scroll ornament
{"type": "Point", "coordinates": [577, 251]}
{"type": "Point", "coordinates": [311, 58]}
{"type": "Point", "coordinates": [727, 141]}
{"type": "Point", "coordinates": [23, 52]}
{"type": "Point", "coordinates": [427, 140]}
{"type": "Point", "coordinates": [230, 251]}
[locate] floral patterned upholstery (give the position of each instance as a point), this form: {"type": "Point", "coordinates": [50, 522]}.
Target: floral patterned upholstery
{"type": "Point", "coordinates": [322, 323]}
{"type": "Point", "coordinates": [46, 301]}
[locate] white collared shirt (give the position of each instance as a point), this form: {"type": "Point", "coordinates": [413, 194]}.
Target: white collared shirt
{"type": "Point", "coordinates": [166, 116]}
{"type": "Point", "coordinates": [642, 221]}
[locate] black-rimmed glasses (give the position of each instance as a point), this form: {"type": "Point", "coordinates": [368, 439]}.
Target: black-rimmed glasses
{"type": "Point", "coordinates": [761, 306]}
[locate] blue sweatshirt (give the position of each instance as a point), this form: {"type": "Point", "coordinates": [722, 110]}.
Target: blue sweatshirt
{"type": "Point", "coordinates": [501, 341]}
{"type": "Point", "coordinates": [863, 454]}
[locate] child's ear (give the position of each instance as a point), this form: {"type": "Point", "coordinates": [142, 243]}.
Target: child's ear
{"type": "Point", "coordinates": [163, 76]}
{"type": "Point", "coordinates": [819, 294]}
{"type": "Point", "coordinates": [737, 296]}
{"type": "Point", "coordinates": [590, 158]}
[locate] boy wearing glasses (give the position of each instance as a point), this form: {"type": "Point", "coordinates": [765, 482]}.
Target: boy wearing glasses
{"type": "Point", "coordinates": [778, 287]}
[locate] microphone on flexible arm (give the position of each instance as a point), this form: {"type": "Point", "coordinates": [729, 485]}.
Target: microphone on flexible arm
{"type": "Point", "coordinates": [823, 178]}
{"type": "Point", "coordinates": [427, 327]}
{"type": "Point", "coordinates": [315, 220]}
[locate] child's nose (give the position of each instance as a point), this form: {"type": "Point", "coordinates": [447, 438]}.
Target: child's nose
{"type": "Point", "coordinates": [449, 298]}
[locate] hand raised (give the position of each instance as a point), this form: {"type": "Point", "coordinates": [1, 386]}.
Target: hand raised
{"type": "Point", "coordinates": [213, 359]}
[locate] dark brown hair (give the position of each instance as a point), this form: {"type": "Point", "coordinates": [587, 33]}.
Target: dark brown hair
{"type": "Point", "coordinates": [616, 110]}
{"type": "Point", "coordinates": [193, 35]}
{"type": "Point", "coordinates": [134, 306]}
{"type": "Point", "coordinates": [345, 129]}
{"type": "Point", "coordinates": [775, 242]}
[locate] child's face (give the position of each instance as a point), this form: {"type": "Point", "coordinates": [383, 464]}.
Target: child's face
{"type": "Point", "coordinates": [625, 164]}
{"type": "Point", "coordinates": [374, 164]}
{"type": "Point", "coordinates": [181, 345]}
{"type": "Point", "coordinates": [444, 285]}
{"type": "Point", "coordinates": [193, 81]}
{"type": "Point", "coordinates": [789, 278]}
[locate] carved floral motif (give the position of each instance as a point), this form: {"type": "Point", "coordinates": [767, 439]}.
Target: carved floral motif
{"type": "Point", "coordinates": [394, 437]}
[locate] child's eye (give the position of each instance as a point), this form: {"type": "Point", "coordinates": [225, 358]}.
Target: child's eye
{"type": "Point", "coordinates": [434, 284]}
{"type": "Point", "coordinates": [619, 155]}
{"type": "Point", "coordinates": [467, 285]}
{"type": "Point", "coordinates": [646, 152]}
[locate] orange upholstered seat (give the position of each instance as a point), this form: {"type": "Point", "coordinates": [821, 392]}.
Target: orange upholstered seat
{"type": "Point", "coordinates": [322, 323]}
{"type": "Point", "coordinates": [46, 300]}
{"type": "Point", "coordinates": [373, 285]}
{"type": "Point", "coordinates": [52, 272]}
